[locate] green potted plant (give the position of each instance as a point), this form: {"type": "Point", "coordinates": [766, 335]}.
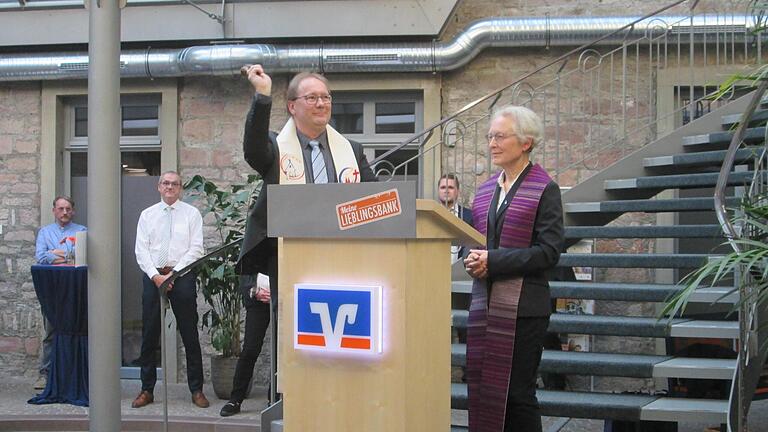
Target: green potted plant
{"type": "Point", "coordinates": [750, 264]}
{"type": "Point", "coordinates": [217, 278]}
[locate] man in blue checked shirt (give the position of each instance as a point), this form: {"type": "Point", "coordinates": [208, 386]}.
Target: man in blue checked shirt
{"type": "Point", "coordinates": [53, 246]}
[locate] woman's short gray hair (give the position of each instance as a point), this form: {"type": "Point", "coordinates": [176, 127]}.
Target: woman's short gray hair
{"type": "Point", "coordinates": [527, 124]}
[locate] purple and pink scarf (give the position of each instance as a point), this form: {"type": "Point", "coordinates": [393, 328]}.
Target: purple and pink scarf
{"type": "Point", "coordinates": [492, 324]}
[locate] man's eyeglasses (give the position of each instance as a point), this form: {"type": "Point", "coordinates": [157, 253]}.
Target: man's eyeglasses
{"type": "Point", "coordinates": [312, 99]}
{"type": "Point", "coordinates": [170, 184]}
{"type": "Point", "coordinates": [497, 136]}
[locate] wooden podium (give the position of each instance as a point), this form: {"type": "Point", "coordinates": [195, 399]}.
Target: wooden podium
{"type": "Point", "coordinates": [345, 235]}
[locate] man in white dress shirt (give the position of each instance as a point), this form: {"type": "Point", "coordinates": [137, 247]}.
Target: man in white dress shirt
{"type": "Point", "coordinates": [169, 237]}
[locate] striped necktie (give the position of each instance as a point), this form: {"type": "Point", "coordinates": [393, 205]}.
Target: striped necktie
{"type": "Point", "coordinates": [318, 163]}
{"type": "Point", "coordinates": [166, 227]}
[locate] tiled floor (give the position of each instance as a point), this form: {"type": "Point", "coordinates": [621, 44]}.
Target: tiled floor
{"type": "Point", "coordinates": [17, 415]}
{"type": "Point", "coordinates": [15, 412]}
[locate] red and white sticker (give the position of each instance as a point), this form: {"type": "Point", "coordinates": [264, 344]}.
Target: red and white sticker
{"type": "Point", "coordinates": [368, 209]}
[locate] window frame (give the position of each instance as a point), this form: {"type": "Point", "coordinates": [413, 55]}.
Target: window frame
{"type": "Point", "coordinates": [369, 98]}
{"type": "Point", "coordinates": [127, 143]}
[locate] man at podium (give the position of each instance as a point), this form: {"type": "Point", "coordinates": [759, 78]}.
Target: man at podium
{"type": "Point", "coordinates": [307, 150]}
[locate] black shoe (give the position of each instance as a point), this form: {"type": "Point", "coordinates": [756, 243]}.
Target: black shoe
{"type": "Point", "coordinates": [230, 408]}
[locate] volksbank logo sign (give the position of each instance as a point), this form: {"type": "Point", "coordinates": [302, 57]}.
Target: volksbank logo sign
{"type": "Point", "coordinates": [337, 318]}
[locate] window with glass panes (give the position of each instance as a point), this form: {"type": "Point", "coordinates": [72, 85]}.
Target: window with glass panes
{"type": "Point", "coordinates": [139, 135]}
{"type": "Point", "coordinates": [379, 121]}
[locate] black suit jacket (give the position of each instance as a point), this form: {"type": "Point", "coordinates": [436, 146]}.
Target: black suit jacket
{"type": "Point", "coordinates": [258, 253]}
{"type": "Point", "coordinates": [532, 262]}
{"type": "Point", "coordinates": [466, 215]}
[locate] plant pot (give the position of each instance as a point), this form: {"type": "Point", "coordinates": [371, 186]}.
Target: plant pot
{"type": "Point", "coordinates": [222, 372]}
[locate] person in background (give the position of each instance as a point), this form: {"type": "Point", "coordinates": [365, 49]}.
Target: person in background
{"type": "Point", "coordinates": [169, 237]}
{"type": "Point", "coordinates": [54, 244]}
{"type": "Point", "coordinates": [448, 190]}
{"type": "Point", "coordinates": [520, 211]}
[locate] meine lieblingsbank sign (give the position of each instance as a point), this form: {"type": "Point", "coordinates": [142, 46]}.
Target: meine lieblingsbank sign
{"type": "Point", "coordinates": [368, 209]}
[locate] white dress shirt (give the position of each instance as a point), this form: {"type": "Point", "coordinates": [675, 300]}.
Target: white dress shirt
{"type": "Point", "coordinates": [186, 238]}
{"type": "Point", "coordinates": [503, 192]}
{"type": "Point", "coordinates": [455, 248]}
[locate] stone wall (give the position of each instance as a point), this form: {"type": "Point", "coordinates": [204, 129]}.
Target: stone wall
{"type": "Point", "coordinates": [20, 319]}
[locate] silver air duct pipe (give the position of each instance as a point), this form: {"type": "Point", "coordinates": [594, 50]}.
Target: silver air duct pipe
{"type": "Point", "coordinates": [382, 57]}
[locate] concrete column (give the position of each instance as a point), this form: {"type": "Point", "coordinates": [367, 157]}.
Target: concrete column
{"type": "Point", "coordinates": [104, 215]}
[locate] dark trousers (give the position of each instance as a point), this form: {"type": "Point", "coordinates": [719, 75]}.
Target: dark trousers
{"type": "Point", "coordinates": [256, 323]}
{"type": "Point", "coordinates": [45, 359]}
{"type": "Point", "coordinates": [257, 316]}
{"type": "Point", "coordinates": [522, 406]}
{"type": "Point", "coordinates": [183, 298]}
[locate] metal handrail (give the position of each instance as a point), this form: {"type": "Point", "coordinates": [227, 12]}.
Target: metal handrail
{"type": "Point", "coordinates": [497, 93]}
{"type": "Point", "coordinates": [730, 159]}
{"type": "Point", "coordinates": [750, 360]}
{"type": "Point", "coordinates": [163, 290]}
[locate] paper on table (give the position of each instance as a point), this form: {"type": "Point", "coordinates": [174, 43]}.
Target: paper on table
{"type": "Point", "coordinates": [81, 257]}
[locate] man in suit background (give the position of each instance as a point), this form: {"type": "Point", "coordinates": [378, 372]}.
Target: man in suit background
{"type": "Point", "coordinates": [448, 190]}
{"type": "Point", "coordinates": [307, 150]}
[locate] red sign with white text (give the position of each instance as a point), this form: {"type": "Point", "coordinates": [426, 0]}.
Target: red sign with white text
{"type": "Point", "coordinates": [368, 209]}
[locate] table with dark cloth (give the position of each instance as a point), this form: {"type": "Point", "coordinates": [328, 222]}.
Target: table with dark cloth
{"type": "Point", "coordinates": [63, 295]}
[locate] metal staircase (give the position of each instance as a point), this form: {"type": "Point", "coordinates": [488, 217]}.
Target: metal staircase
{"type": "Point", "coordinates": [694, 167]}
{"type": "Point", "coordinates": [640, 176]}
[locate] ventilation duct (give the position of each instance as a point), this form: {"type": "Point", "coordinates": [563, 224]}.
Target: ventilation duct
{"type": "Point", "coordinates": [383, 57]}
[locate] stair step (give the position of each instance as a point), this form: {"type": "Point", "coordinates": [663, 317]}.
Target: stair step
{"type": "Point", "coordinates": [697, 368]}
{"type": "Point", "coordinates": [616, 406]}
{"type": "Point", "coordinates": [628, 326]}
{"type": "Point", "coordinates": [622, 292]}
{"type": "Point", "coordinates": [686, 410]}
{"type": "Point", "coordinates": [609, 325]}
{"type": "Point", "coordinates": [459, 396]}
{"type": "Point", "coordinates": [633, 260]}
{"type": "Point", "coordinates": [592, 405]}
{"type": "Point", "coordinates": [583, 363]}
{"type": "Point", "coordinates": [722, 139]}
{"type": "Point", "coordinates": [706, 328]}
{"type": "Point", "coordinates": [625, 365]}
{"type": "Point", "coordinates": [757, 117]}
{"type": "Point", "coordinates": [633, 292]}
{"type": "Point", "coordinates": [647, 231]}
{"type": "Point", "coordinates": [700, 159]}
{"type": "Point", "coordinates": [646, 205]}
{"type": "Point", "coordinates": [677, 181]}
{"type": "Point", "coordinates": [461, 287]}
{"type": "Point", "coordinates": [574, 404]}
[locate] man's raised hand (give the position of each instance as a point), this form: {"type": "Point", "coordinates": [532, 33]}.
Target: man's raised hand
{"type": "Point", "coordinates": [261, 82]}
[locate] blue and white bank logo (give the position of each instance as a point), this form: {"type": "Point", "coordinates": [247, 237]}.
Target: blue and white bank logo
{"type": "Point", "coordinates": [337, 318]}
